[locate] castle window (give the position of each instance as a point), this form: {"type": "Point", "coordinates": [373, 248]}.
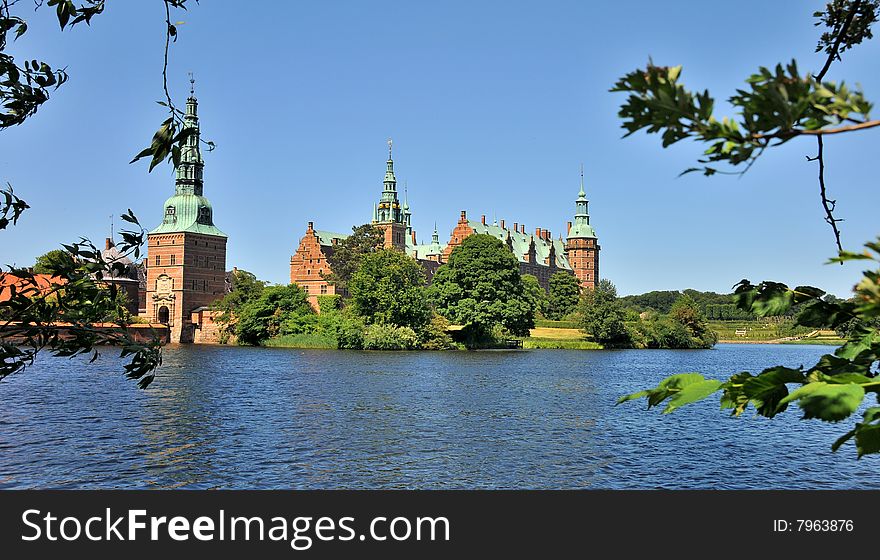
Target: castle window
{"type": "Point", "coordinates": [323, 288]}
{"type": "Point", "coordinates": [173, 259]}
{"type": "Point", "coordinates": [204, 216]}
{"type": "Point", "coordinates": [157, 260]}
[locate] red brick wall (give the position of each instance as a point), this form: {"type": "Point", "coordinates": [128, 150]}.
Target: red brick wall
{"type": "Point", "coordinates": [307, 265]}
{"type": "Point", "coordinates": [194, 267]}
{"type": "Point", "coordinates": [583, 256]}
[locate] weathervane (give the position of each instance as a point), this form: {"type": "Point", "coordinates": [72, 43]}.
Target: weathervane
{"type": "Point", "coordinates": [389, 147]}
{"type": "Point", "coordinates": [192, 84]}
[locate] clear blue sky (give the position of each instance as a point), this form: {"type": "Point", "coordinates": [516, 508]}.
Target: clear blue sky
{"type": "Point", "coordinates": [492, 107]}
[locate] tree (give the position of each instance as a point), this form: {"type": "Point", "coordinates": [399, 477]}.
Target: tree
{"type": "Point", "coordinates": [565, 292]}
{"type": "Point", "coordinates": [50, 261]}
{"type": "Point", "coordinates": [603, 317]}
{"type": "Point", "coordinates": [686, 313]}
{"type": "Point", "coordinates": [535, 293]}
{"type": "Point", "coordinates": [779, 106]}
{"type": "Point", "coordinates": [347, 254]}
{"type": "Point", "coordinates": [278, 310]}
{"type": "Point", "coordinates": [388, 287]}
{"type": "Point", "coordinates": [245, 289]}
{"type": "Point", "coordinates": [480, 287]}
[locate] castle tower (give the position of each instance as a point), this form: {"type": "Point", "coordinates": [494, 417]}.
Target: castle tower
{"type": "Point", "coordinates": [186, 253]}
{"type": "Point", "coordinates": [388, 215]}
{"type": "Point", "coordinates": [582, 246]}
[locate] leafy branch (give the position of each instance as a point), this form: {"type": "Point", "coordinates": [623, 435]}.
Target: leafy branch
{"type": "Point", "coordinates": [831, 390]}
{"type": "Point", "coordinates": [777, 106]}
{"type": "Point", "coordinates": [68, 315]}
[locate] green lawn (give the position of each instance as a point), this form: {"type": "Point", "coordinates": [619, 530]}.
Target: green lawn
{"type": "Point", "coordinates": [301, 341]}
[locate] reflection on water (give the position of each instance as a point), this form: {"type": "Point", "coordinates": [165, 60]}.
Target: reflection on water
{"type": "Point", "coordinates": [220, 417]}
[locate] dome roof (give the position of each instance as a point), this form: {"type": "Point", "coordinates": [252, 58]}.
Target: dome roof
{"type": "Point", "coordinates": [188, 213]}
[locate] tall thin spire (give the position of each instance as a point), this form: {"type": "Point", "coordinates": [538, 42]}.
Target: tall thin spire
{"type": "Point", "coordinates": [582, 194]}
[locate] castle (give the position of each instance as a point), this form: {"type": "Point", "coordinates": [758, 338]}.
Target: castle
{"type": "Point", "coordinates": [185, 267]}
{"type": "Point", "coordinates": [186, 253]}
{"type": "Point", "coordinates": [538, 254]}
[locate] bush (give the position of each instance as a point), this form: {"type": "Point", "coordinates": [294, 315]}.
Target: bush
{"type": "Point", "coordinates": [388, 337]}
{"type": "Point", "coordinates": [347, 329]}
{"type": "Point", "coordinates": [434, 335]}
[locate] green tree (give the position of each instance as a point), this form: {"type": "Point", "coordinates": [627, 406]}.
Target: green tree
{"type": "Point", "coordinates": [565, 293]}
{"type": "Point", "coordinates": [346, 256]}
{"type": "Point", "coordinates": [686, 313]}
{"type": "Point", "coordinates": [53, 260]}
{"type": "Point", "coordinates": [777, 107]}
{"type": "Point", "coordinates": [603, 317]}
{"type": "Point", "coordinates": [278, 310]}
{"type": "Point", "coordinates": [388, 287]}
{"type": "Point", "coordinates": [245, 289]}
{"type": "Point", "coordinates": [536, 294]}
{"type": "Point", "coordinates": [480, 287]}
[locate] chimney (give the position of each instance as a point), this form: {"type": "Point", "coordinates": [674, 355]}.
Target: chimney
{"type": "Point", "coordinates": [414, 237]}
{"type": "Point", "coordinates": [547, 234]}
{"type": "Point", "coordinates": [515, 226]}
{"type": "Point", "coordinates": [311, 226]}
{"type": "Point", "coordinates": [568, 232]}
{"type": "Point", "coordinates": [463, 216]}
{"type": "Point", "coordinates": [483, 219]}
{"type": "Point", "coordinates": [108, 244]}
{"type": "Point", "coordinates": [502, 223]}
{"type": "Point", "coordinates": [523, 229]}
{"type": "Point", "coordinates": [538, 233]}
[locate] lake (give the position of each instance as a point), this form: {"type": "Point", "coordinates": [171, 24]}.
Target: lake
{"type": "Point", "coordinates": [231, 417]}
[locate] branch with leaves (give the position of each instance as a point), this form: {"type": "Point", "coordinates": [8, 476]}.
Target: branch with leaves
{"type": "Point", "coordinates": [62, 319]}
{"type": "Point", "coordinates": [777, 105]}
{"type": "Point", "coordinates": [67, 316]}
{"type": "Point", "coordinates": [831, 390]}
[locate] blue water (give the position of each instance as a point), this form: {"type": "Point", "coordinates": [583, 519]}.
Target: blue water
{"type": "Point", "coordinates": [228, 417]}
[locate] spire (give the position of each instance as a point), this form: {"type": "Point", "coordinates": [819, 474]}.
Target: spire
{"type": "Point", "coordinates": [389, 209]}
{"type": "Point", "coordinates": [188, 210]}
{"type": "Point", "coordinates": [581, 226]}
{"type": "Point", "coordinates": [189, 172]}
{"type": "Point", "coordinates": [435, 237]}
{"type": "Point", "coordinates": [582, 194]}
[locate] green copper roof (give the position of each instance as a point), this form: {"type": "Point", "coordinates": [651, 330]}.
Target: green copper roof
{"type": "Point", "coordinates": [326, 237]}
{"type": "Point", "coordinates": [520, 243]}
{"type": "Point", "coordinates": [188, 213]}
{"type": "Point", "coordinates": [425, 250]}
{"type": "Point", "coordinates": [581, 227]}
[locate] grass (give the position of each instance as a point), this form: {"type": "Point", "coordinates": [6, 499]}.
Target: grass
{"type": "Point", "coordinates": [559, 338]}
{"type": "Point", "coordinates": [560, 344]}
{"type": "Point", "coordinates": [557, 333]}
{"type": "Point", "coordinates": [301, 341]}
{"type": "Point", "coordinates": [557, 324]}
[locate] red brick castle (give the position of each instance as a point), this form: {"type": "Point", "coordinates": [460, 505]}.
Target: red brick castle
{"type": "Point", "coordinates": [538, 254]}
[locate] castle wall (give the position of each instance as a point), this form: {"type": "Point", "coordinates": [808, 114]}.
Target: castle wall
{"type": "Point", "coordinates": [185, 271]}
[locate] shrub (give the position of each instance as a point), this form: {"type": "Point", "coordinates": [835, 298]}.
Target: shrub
{"type": "Point", "coordinates": [388, 337]}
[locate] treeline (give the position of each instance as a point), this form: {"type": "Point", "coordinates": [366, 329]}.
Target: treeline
{"type": "Point", "coordinates": [712, 304]}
